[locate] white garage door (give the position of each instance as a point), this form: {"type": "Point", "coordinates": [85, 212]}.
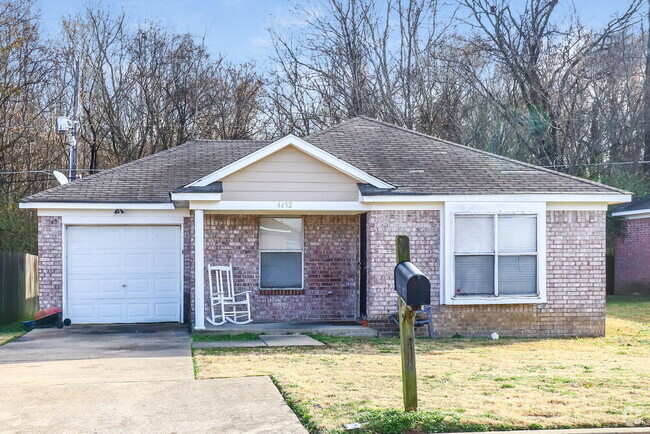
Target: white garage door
{"type": "Point", "coordinates": [123, 274]}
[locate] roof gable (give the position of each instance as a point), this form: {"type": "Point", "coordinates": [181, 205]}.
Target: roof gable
{"type": "Point", "coordinates": [300, 144]}
{"type": "Point", "coordinates": [289, 175]}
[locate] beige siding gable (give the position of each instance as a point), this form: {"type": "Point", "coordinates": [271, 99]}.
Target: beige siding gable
{"type": "Point", "coordinates": [290, 175]}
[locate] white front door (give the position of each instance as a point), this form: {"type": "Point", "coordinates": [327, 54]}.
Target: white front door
{"type": "Point", "coordinates": [123, 274]}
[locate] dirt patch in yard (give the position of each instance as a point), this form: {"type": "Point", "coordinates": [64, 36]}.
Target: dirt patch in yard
{"type": "Point", "coordinates": [512, 383]}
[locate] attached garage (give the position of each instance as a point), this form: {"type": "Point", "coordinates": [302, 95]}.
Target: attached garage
{"type": "Point", "coordinates": [123, 274]}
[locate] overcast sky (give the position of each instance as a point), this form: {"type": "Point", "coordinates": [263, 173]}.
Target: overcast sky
{"type": "Point", "coordinates": [238, 28]}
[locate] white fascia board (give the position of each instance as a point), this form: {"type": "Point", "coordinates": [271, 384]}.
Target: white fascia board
{"type": "Point", "coordinates": [632, 214]}
{"type": "Point", "coordinates": [645, 215]}
{"type": "Point", "coordinates": [578, 198]}
{"type": "Point", "coordinates": [289, 207]}
{"type": "Point", "coordinates": [576, 206]}
{"type": "Point", "coordinates": [280, 206]}
{"type": "Point", "coordinates": [196, 196]}
{"type": "Point", "coordinates": [91, 205]}
{"type": "Point", "coordinates": [108, 217]}
{"type": "Point", "coordinates": [302, 145]}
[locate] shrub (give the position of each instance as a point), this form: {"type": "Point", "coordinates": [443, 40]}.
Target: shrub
{"type": "Point", "coordinates": [18, 229]}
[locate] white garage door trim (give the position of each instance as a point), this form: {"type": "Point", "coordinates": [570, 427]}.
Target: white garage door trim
{"type": "Point", "coordinates": [65, 268]}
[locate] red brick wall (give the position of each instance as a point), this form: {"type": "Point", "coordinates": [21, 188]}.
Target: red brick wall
{"type": "Point", "coordinates": [575, 277]}
{"type": "Point", "coordinates": [575, 271]}
{"type": "Point", "coordinates": [50, 262]}
{"type": "Point", "coordinates": [331, 266]}
{"type": "Point", "coordinates": [632, 257]}
{"type": "Point", "coordinates": [423, 229]}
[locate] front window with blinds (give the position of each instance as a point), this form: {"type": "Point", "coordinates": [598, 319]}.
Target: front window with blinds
{"type": "Point", "coordinates": [281, 253]}
{"type": "Point", "coordinates": [495, 255]}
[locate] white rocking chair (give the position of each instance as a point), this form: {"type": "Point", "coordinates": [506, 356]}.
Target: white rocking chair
{"type": "Point", "coordinates": [225, 304]}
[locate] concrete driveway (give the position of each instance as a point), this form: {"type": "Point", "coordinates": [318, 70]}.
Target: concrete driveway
{"type": "Point", "coordinates": [133, 378]}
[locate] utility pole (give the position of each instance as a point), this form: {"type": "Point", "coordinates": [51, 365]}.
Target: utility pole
{"type": "Point", "coordinates": [72, 141]}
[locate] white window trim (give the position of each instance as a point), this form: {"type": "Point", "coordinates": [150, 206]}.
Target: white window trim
{"type": "Point", "coordinates": [447, 294]}
{"type": "Point", "coordinates": [302, 256]}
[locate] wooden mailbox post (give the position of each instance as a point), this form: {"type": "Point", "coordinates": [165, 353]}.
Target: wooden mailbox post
{"type": "Point", "coordinates": [414, 290]}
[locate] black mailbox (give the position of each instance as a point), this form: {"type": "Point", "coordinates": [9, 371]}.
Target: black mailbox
{"type": "Point", "coordinates": [413, 286]}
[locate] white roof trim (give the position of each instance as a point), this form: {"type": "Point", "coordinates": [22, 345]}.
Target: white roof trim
{"type": "Point", "coordinates": [91, 205]}
{"type": "Point", "coordinates": [514, 197]}
{"type": "Point", "coordinates": [302, 145]}
{"type": "Point", "coordinates": [196, 196]}
{"type": "Point", "coordinates": [631, 213]}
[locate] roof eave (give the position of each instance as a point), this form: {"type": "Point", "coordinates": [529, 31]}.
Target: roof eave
{"type": "Point", "coordinates": [53, 204]}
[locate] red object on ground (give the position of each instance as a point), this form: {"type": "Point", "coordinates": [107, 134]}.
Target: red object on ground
{"type": "Point", "coordinates": [47, 312]}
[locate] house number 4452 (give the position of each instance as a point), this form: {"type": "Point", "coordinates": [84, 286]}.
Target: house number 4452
{"type": "Point", "coordinates": [285, 205]}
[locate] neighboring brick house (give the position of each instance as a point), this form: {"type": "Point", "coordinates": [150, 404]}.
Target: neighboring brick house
{"type": "Point", "coordinates": [309, 227]}
{"type": "Point", "coordinates": [632, 248]}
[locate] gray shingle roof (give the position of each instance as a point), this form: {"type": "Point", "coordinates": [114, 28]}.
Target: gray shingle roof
{"type": "Point", "coordinates": [412, 162]}
{"type": "Point", "coordinates": [151, 179]}
{"type": "Point", "coordinates": [417, 163]}
{"type": "Point", "coordinates": [640, 204]}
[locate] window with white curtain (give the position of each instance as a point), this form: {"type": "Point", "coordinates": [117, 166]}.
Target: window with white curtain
{"type": "Point", "coordinates": [495, 255]}
{"type": "Point", "coordinates": [281, 253]}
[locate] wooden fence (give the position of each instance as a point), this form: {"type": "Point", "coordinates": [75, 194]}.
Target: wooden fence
{"type": "Point", "coordinates": [18, 286]}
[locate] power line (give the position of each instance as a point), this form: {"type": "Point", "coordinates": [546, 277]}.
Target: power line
{"type": "Point", "coordinates": [18, 172]}
{"type": "Point", "coordinates": [597, 164]}
{"type": "Point", "coordinates": [26, 180]}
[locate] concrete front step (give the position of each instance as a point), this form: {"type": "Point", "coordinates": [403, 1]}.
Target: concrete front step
{"type": "Point", "coordinates": [281, 328]}
{"type": "Point", "coordinates": [264, 341]}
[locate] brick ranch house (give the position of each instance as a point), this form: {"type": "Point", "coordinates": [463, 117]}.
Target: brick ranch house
{"type": "Point", "coordinates": [632, 248]}
{"type": "Point", "coordinates": [309, 226]}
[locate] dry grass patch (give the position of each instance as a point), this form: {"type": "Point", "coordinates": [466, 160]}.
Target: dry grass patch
{"type": "Point", "coordinates": [510, 383]}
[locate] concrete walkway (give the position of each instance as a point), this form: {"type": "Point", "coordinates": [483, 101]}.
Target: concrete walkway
{"type": "Point", "coordinates": [127, 379]}
{"type": "Point", "coordinates": [264, 341]}
{"type": "Point", "coordinates": [289, 327]}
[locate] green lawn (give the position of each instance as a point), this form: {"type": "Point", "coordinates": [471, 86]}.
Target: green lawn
{"type": "Point", "coordinates": [11, 331]}
{"type": "Point", "coordinates": [633, 308]}
{"type": "Point", "coordinates": [464, 384]}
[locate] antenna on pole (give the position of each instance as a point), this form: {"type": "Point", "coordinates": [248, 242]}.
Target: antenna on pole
{"type": "Point", "coordinates": [70, 127]}
{"type": "Point", "coordinates": [75, 122]}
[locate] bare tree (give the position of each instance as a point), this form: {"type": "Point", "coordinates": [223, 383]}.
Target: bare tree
{"type": "Point", "coordinates": [27, 142]}
{"type": "Point", "coordinates": [146, 89]}
{"type": "Point", "coordinates": [544, 61]}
